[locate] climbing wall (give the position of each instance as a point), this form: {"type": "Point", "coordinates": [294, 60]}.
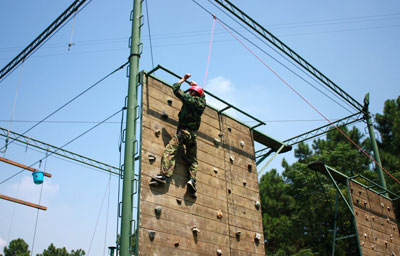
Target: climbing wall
{"type": "Point", "coordinates": [376, 222]}
{"type": "Point", "coordinates": [226, 212]}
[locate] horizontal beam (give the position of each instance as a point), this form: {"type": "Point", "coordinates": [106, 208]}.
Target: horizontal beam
{"type": "Point", "coordinates": [13, 136]}
{"type": "Point", "coordinates": [18, 201]}
{"type": "Point", "coordinates": [28, 168]}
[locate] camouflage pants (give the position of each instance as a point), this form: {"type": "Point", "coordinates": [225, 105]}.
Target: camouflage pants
{"type": "Point", "coordinates": [187, 138]}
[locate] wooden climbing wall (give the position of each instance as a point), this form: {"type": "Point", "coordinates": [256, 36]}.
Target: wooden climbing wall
{"type": "Point", "coordinates": [226, 182]}
{"type": "Point", "coordinates": [376, 222]}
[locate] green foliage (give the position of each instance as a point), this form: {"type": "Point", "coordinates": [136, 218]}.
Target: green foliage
{"type": "Point", "coordinates": [53, 251]}
{"type": "Point", "coordinates": [388, 126]}
{"type": "Point", "coordinates": [17, 247]}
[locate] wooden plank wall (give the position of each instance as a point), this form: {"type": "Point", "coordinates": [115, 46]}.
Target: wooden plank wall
{"type": "Point", "coordinates": [376, 222]}
{"type": "Point", "coordinates": [226, 182]}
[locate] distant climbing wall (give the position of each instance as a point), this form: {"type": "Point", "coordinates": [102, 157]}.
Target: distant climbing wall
{"type": "Point", "coordinates": [376, 222]}
{"type": "Point", "coordinates": [226, 211]}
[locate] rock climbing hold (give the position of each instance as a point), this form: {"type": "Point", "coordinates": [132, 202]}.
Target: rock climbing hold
{"type": "Point", "coordinates": [164, 115]}
{"type": "Point", "coordinates": [157, 211]}
{"type": "Point", "coordinates": [157, 132]}
{"type": "Point", "coordinates": [152, 158]}
{"type": "Point", "coordinates": [152, 234]}
{"type": "Point", "coordinates": [229, 129]}
{"type": "Point", "coordinates": [258, 204]}
{"type": "Point", "coordinates": [365, 203]}
{"type": "Point", "coordinates": [219, 252]}
{"type": "Point", "coordinates": [238, 233]}
{"type": "Point", "coordinates": [219, 214]}
{"type": "Point", "coordinates": [179, 201]}
{"type": "Point", "coordinates": [195, 229]}
{"type": "Point", "coordinates": [244, 183]}
{"type": "Point", "coordinates": [257, 237]}
{"type": "Point", "coordinates": [249, 167]}
{"type": "Point", "coordinates": [232, 158]}
{"type": "Point", "coordinates": [217, 142]}
{"type": "Point", "coordinates": [169, 101]}
{"type": "Point", "coordinates": [241, 143]}
{"type": "Point", "coordinates": [229, 190]}
{"type": "Point", "coordinates": [365, 235]}
{"type": "Point", "coordinates": [220, 134]}
{"type": "Point", "coordinates": [382, 205]}
{"type": "Point", "coordinates": [215, 170]}
{"type": "Point", "coordinates": [176, 244]}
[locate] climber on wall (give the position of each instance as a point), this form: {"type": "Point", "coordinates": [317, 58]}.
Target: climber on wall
{"type": "Point", "coordinates": [194, 103]}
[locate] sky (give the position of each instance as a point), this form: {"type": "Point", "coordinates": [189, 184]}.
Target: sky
{"type": "Point", "coordinates": [354, 43]}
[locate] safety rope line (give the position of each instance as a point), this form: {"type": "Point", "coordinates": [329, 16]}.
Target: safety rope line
{"type": "Point", "coordinates": [108, 209]}
{"type": "Point", "coordinates": [306, 101]}
{"type": "Point", "coordinates": [40, 200]}
{"type": "Point", "coordinates": [209, 51]}
{"type": "Point", "coordinates": [98, 216]}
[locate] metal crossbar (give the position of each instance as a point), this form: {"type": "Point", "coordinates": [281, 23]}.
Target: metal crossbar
{"type": "Point", "coordinates": [59, 151]}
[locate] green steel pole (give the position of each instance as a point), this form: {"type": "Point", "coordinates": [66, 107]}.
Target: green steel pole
{"type": "Point", "coordinates": [129, 162]}
{"type": "Point", "coordinates": [374, 144]}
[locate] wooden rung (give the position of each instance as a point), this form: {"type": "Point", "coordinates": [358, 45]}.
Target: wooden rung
{"type": "Point", "coordinates": [15, 200]}
{"type": "Point", "coordinates": [5, 160]}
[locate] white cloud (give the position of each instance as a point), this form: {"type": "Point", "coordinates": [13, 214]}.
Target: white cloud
{"type": "Point", "coordinates": [31, 192]}
{"type": "Point", "coordinates": [223, 89]}
{"type": "Point", "coordinates": [2, 244]}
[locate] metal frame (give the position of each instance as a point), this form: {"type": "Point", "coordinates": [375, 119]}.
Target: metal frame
{"type": "Point", "coordinates": [41, 38]}
{"type": "Point", "coordinates": [242, 16]}
{"type": "Point", "coordinates": [59, 151]}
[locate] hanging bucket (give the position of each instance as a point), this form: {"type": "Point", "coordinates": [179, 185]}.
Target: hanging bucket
{"type": "Point", "coordinates": [37, 177]}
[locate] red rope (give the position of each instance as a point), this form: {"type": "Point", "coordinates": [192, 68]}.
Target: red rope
{"type": "Point", "coordinates": [209, 51]}
{"type": "Point", "coordinates": [295, 91]}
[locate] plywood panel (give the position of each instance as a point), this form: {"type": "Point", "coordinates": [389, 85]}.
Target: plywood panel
{"type": "Point", "coordinates": [376, 222]}
{"type": "Point", "coordinates": [222, 185]}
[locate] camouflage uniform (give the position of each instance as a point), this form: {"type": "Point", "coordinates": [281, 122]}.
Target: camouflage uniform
{"type": "Point", "coordinates": [189, 123]}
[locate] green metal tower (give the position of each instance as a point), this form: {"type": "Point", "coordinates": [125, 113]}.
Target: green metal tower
{"type": "Point", "coordinates": [130, 140]}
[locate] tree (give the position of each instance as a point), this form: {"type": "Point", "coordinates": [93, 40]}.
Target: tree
{"type": "Point", "coordinates": [17, 247]}
{"type": "Point", "coordinates": [53, 251]}
{"type": "Point", "coordinates": [388, 126]}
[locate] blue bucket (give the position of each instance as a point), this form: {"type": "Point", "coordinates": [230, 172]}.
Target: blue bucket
{"type": "Point", "coordinates": [37, 177]}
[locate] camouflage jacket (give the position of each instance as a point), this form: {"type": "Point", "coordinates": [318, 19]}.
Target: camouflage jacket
{"type": "Point", "coordinates": [192, 108]}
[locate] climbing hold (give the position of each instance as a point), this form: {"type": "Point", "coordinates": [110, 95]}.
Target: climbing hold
{"type": "Point", "coordinates": [229, 190]}
{"type": "Point", "coordinates": [179, 201]}
{"type": "Point", "coordinates": [176, 244]}
{"type": "Point", "coordinates": [158, 210]}
{"type": "Point", "coordinates": [386, 243]}
{"type": "Point", "coordinates": [244, 183]}
{"type": "Point", "coordinates": [360, 192]}
{"type": "Point", "coordinates": [357, 201]}
{"type": "Point", "coordinates": [157, 133]}
{"type": "Point", "coordinates": [373, 247]}
{"type": "Point", "coordinates": [152, 234]}
{"type": "Point", "coordinates": [362, 244]}
{"type": "Point", "coordinates": [238, 233]}
{"type": "Point", "coordinates": [258, 204]}
{"type": "Point", "coordinates": [365, 235]}
{"type": "Point", "coordinates": [219, 252]}
{"type": "Point", "coordinates": [242, 143]}
{"type": "Point", "coordinates": [391, 237]}
{"type": "Point", "coordinates": [229, 129]}
{"type": "Point", "coordinates": [366, 217]}
{"type": "Point", "coordinates": [257, 237]}
{"type": "Point", "coordinates": [220, 134]}
{"type": "Point", "coordinates": [217, 142]}
{"type": "Point", "coordinates": [382, 222]}
{"type": "Point", "coordinates": [249, 167]}
{"type": "Point", "coordinates": [169, 101]}
{"type": "Point", "coordinates": [232, 158]}
{"type": "Point", "coordinates": [383, 206]}
{"type": "Point", "coordinates": [387, 220]}
{"type": "Point", "coordinates": [219, 214]}
{"type": "Point", "coordinates": [215, 170]}
{"type": "Point", "coordinates": [393, 254]}
{"type": "Point", "coordinates": [152, 158]}
{"type": "Point", "coordinates": [365, 203]}
{"type": "Point", "coordinates": [195, 230]}
{"type": "Point", "coordinates": [373, 217]}
{"type": "Point", "coordinates": [388, 208]}
{"type": "Point", "coordinates": [164, 115]}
